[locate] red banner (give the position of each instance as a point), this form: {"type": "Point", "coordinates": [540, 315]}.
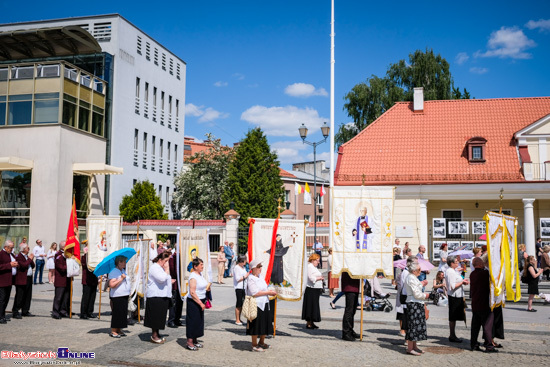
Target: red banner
{"type": "Point", "coordinates": [251, 222]}
{"type": "Point", "coordinates": [272, 252]}
{"type": "Point", "coordinates": [72, 245]}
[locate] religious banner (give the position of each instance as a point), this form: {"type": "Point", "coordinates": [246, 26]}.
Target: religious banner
{"type": "Point", "coordinates": [137, 267]}
{"type": "Point", "coordinates": [287, 268]}
{"type": "Point", "coordinates": [104, 236]}
{"type": "Point", "coordinates": [192, 244]}
{"type": "Point", "coordinates": [361, 230]}
{"type": "Point", "coordinates": [503, 258]}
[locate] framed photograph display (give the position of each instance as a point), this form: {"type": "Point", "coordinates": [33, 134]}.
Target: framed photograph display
{"type": "Point", "coordinates": [458, 227]}
{"type": "Point", "coordinates": [452, 246]}
{"type": "Point", "coordinates": [467, 245]}
{"type": "Point", "coordinates": [545, 227]}
{"type": "Point", "coordinates": [480, 243]}
{"type": "Point", "coordinates": [436, 245]}
{"type": "Point", "coordinates": [438, 228]}
{"type": "Point", "coordinates": [478, 227]}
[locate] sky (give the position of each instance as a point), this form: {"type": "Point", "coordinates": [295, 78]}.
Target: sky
{"type": "Point", "coordinates": [267, 64]}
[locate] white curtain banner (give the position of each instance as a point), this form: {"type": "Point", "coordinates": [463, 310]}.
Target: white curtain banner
{"type": "Point", "coordinates": [104, 236]}
{"type": "Point", "coordinates": [287, 275]}
{"type": "Point", "coordinates": [137, 270]}
{"type": "Point", "coordinates": [362, 230]}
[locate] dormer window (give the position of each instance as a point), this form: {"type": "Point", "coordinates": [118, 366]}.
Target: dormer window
{"type": "Point", "coordinates": [476, 149]}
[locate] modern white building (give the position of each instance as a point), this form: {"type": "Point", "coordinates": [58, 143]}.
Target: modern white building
{"type": "Point", "coordinates": [86, 96]}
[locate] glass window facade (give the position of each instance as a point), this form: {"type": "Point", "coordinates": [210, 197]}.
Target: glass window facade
{"type": "Point", "coordinates": [15, 200]}
{"type": "Point", "coordinates": [20, 109]}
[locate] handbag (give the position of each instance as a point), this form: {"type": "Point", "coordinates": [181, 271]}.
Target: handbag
{"type": "Point", "coordinates": [208, 304]}
{"type": "Point", "coordinates": [250, 308]}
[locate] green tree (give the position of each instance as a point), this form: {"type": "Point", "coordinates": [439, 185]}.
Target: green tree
{"type": "Point", "coordinates": [198, 189]}
{"type": "Point", "coordinates": [142, 203]}
{"type": "Point", "coordinates": [368, 100]}
{"type": "Point", "coordinates": [254, 184]}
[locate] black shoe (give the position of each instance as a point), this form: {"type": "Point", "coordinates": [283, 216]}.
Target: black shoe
{"type": "Point", "coordinates": [476, 349]}
{"type": "Point", "coordinates": [355, 335]}
{"type": "Point", "coordinates": [17, 316]}
{"type": "Point", "coordinates": [27, 314]}
{"type": "Point", "coordinates": [64, 315]}
{"type": "Point", "coordinates": [171, 324]}
{"type": "Point", "coordinates": [56, 317]}
{"type": "Point", "coordinates": [455, 340]}
{"type": "Point", "coordinates": [314, 326]}
{"type": "Point", "coordinates": [41, 282]}
{"type": "Point", "coordinates": [178, 323]}
{"type": "Point", "coordinates": [492, 350]}
{"type": "Point", "coordinates": [84, 317]}
{"type": "Point", "coordinates": [91, 316]}
{"type": "Point", "coordinates": [3, 321]}
{"type": "Point", "coordinates": [348, 338]}
{"type": "Point", "coordinates": [131, 321]}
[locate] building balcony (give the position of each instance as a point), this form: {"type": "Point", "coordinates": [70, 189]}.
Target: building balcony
{"type": "Point", "coordinates": [136, 155]}
{"type": "Point", "coordinates": [536, 171]}
{"type": "Point", "coordinates": [145, 160]}
{"type": "Point", "coordinates": [153, 159]}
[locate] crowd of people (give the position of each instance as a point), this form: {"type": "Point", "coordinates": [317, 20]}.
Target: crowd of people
{"type": "Point", "coordinates": [164, 304]}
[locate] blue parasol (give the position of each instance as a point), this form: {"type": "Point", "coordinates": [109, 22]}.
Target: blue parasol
{"type": "Point", "coordinates": [108, 263]}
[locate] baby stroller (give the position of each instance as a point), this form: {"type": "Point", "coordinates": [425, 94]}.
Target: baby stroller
{"type": "Point", "coordinates": [375, 300]}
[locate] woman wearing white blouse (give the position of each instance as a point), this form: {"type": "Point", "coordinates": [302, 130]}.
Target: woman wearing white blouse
{"type": "Point", "coordinates": [50, 262]}
{"type": "Point", "coordinates": [119, 292]}
{"type": "Point", "coordinates": [455, 291]}
{"type": "Point", "coordinates": [196, 299]}
{"type": "Point", "coordinates": [262, 325]}
{"type": "Point", "coordinates": [416, 314]}
{"type": "Point", "coordinates": [159, 292]}
{"type": "Point", "coordinates": [310, 307]}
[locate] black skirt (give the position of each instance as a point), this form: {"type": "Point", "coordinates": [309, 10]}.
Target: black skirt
{"type": "Point", "coordinates": [262, 324]}
{"type": "Point", "coordinates": [194, 319]}
{"type": "Point", "coordinates": [119, 314]}
{"type": "Point", "coordinates": [533, 287]}
{"type": "Point", "coordinates": [456, 309]}
{"type": "Point", "coordinates": [498, 323]}
{"type": "Point", "coordinates": [240, 294]}
{"type": "Point", "coordinates": [310, 307]}
{"type": "Point", "coordinates": [155, 312]}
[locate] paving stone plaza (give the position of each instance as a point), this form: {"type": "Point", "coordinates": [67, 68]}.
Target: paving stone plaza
{"type": "Point", "coordinates": [225, 344]}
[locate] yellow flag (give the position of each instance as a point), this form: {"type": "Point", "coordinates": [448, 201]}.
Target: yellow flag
{"type": "Point", "coordinates": [307, 187]}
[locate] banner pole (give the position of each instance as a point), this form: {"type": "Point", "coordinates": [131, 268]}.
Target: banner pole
{"type": "Point", "coordinates": [100, 288]}
{"type": "Point", "coordinates": [71, 301]}
{"type": "Point", "coordinates": [139, 311]}
{"type": "Point", "coordinates": [275, 318]}
{"type": "Point", "coordinates": [362, 304]}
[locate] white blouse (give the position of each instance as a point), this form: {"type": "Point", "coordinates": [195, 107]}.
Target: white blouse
{"type": "Point", "coordinates": [123, 288]}
{"type": "Point", "coordinates": [414, 289]}
{"type": "Point", "coordinates": [255, 285]}
{"type": "Point", "coordinates": [159, 283]}
{"type": "Point", "coordinates": [312, 274]}
{"type": "Point", "coordinates": [238, 274]}
{"type": "Point", "coordinates": [452, 278]}
{"type": "Point", "coordinates": [200, 289]}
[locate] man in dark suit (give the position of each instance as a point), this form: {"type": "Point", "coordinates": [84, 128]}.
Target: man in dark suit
{"type": "Point", "coordinates": [174, 313]}
{"type": "Point", "coordinates": [23, 282]}
{"type": "Point", "coordinates": [62, 286]}
{"type": "Point", "coordinates": [481, 311]}
{"type": "Point", "coordinates": [89, 288]}
{"type": "Point", "coordinates": [8, 269]}
{"type": "Point", "coordinates": [350, 287]}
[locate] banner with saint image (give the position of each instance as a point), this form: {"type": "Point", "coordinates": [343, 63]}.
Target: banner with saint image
{"type": "Point", "coordinates": [288, 239]}
{"type": "Point", "coordinates": [104, 235]}
{"type": "Point", "coordinates": [192, 244]}
{"type": "Point", "coordinates": [137, 267]}
{"type": "Point", "coordinates": [362, 231]}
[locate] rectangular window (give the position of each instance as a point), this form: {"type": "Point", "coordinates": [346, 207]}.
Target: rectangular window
{"type": "Point", "coordinates": [156, 56]}
{"type": "Point", "coordinates": [137, 87]}
{"type": "Point", "coordinates": [46, 108]}
{"type": "Point", "coordinates": [176, 153]}
{"type": "Point", "coordinates": [84, 116]}
{"type": "Point", "coordinates": [155, 96]}
{"type": "Point", "coordinates": [20, 109]}
{"type": "Point", "coordinates": [153, 145]}
{"type": "Point", "coordinates": [167, 195]}
{"type": "Point", "coordinates": [168, 150]}
{"type": "Point", "coordinates": [145, 142]}
{"type": "Point", "coordinates": [148, 51]}
{"type": "Point", "coordinates": [177, 107]}
{"type": "Point", "coordinates": [319, 218]}
{"type": "Point", "coordinates": [162, 101]}
{"type": "Point", "coordinates": [136, 134]}
{"type": "Point", "coordinates": [171, 66]}
{"type": "Point", "coordinates": [69, 110]}
{"type": "Point", "coordinates": [452, 216]}
{"type": "Point", "coordinates": [170, 104]}
{"type": "Point", "coordinates": [476, 153]}
{"type": "Point", "coordinates": [161, 148]}
{"type": "Point", "coordinates": [178, 72]}
{"type": "Point", "coordinates": [164, 61]}
{"type": "Point", "coordinates": [139, 45]}
{"type": "Point", "coordinates": [319, 199]}
{"type": "Point", "coordinates": [287, 195]}
{"type": "Point", "coordinates": [146, 92]}
{"type": "Point", "coordinates": [134, 182]}
{"type": "Point", "coordinates": [306, 217]}
{"type": "Point", "coordinates": [97, 120]}
{"type": "Point", "coordinates": [2, 110]}
{"type": "Point", "coordinates": [160, 191]}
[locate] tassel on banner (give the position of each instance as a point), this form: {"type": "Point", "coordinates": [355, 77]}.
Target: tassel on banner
{"type": "Point", "coordinates": [272, 254]}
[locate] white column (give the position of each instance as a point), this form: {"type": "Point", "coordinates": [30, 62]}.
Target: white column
{"type": "Point", "coordinates": [529, 225]}
{"type": "Point", "coordinates": [424, 222]}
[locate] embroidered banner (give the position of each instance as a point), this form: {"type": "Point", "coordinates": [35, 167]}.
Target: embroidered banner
{"type": "Point", "coordinates": [503, 261]}
{"type": "Point", "coordinates": [192, 244]}
{"type": "Point", "coordinates": [138, 266]}
{"type": "Point", "coordinates": [287, 270]}
{"type": "Point", "coordinates": [361, 230]}
{"type": "Point", "coordinates": [104, 236]}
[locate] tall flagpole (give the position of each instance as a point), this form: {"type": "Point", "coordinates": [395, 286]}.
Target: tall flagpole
{"type": "Point", "coordinates": [332, 165]}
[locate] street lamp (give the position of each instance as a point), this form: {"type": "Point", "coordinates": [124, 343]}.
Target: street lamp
{"type": "Point", "coordinates": [325, 129]}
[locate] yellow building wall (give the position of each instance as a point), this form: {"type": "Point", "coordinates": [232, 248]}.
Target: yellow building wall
{"type": "Point", "coordinates": [406, 212]}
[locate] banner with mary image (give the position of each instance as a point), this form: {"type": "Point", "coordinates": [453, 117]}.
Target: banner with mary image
{"type": "Point", "coordinates": [192, 244]}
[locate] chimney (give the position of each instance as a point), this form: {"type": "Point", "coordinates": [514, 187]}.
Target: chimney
{"type": "Point", "coordinates": [418, 100]}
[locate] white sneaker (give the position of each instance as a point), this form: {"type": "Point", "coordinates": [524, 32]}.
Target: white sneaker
{"type": "Point", "coordinates": [238, 323]}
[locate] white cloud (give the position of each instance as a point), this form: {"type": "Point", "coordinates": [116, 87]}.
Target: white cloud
{"type": "Point", "coordinates": [461, 58]}
{"type": "Point", "coordinates": [323, 156]}
{"type": "Point", "coordinates": [211, 114]}
{"type": "Point", "coordinates": [304, 90]}
{"type": "Point", "coordinates": [283, 121]}
{"type": "Point", "coordinates": [508, 42]}
{"type": "Point", "coordinates": [478, 70]}
{"type": "Point", "coordinates": [220, 84]}
{"type": "Point", "coordinates": [543, 25]}
{"type": "Point", "coordinates": [193, 110]}
{"type": "Point", "coordinates": [289, 151]}
{"type": "Point", "coordinates": [208, 114]}
{"type": "Point", "coordinates": [238, 76]}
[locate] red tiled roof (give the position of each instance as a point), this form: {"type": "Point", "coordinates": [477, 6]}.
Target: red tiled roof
{"type": "Point", "coordinates": [404, 147]}
{"type": "Point", "coordinates": [284, 173]}
{"type": "Point", "coordinates": [181, 223]}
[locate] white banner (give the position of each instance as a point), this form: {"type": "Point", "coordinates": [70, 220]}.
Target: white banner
{"type": "Point", "coordinates": [287, 275]}
{"type": "Point", "coordinates": [104, 235]}
{"type": "Point", "coordinates": [191, 244]}
{"type": "Point", "coordinates": [138, 266]}
{"type": "Point", "coordinates": [361, 230]}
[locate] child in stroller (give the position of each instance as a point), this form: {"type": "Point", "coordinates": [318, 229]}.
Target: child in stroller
{"type": "Point", "coordinates": [375, 299]}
